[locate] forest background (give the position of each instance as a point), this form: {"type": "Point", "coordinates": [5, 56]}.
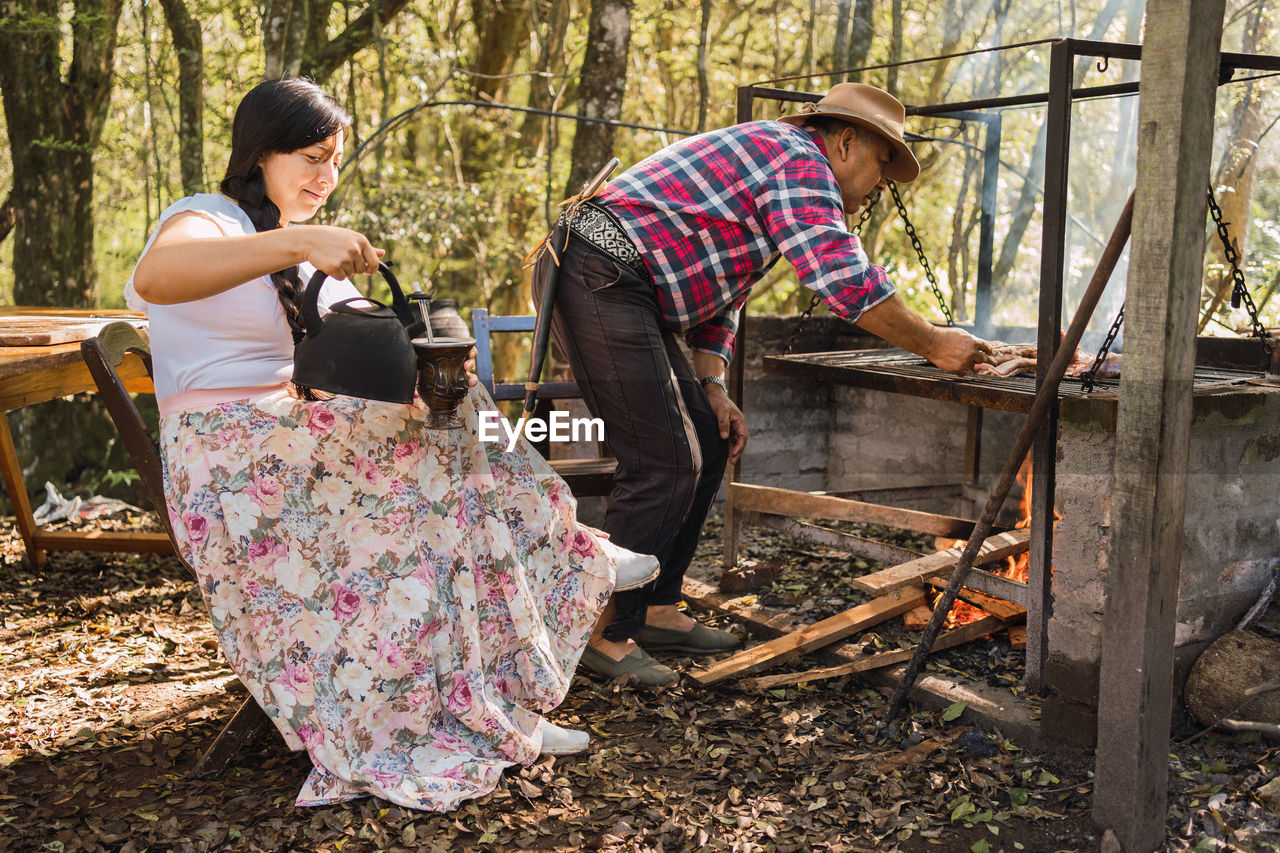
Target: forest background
{"type": "Point", "coordinates": [469, 129]}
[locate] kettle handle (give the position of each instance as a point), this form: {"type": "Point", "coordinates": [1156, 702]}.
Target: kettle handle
{"type": "Point", "coordinates": [399, 302]}
{"type": "Point", "coordinates": [311, 313]}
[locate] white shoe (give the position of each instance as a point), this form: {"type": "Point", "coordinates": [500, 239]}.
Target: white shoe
{"type": "Point", "coordinates": [558, 741]}
{"type": "Point", "coordinates": [634, 570]}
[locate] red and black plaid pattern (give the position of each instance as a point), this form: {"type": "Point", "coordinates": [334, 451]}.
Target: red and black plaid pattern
{"type": "Point", "coordinates": [712, 213]}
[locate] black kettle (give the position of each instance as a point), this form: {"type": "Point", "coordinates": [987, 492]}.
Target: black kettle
{"type": "Point", "coordinates": [360, 352]}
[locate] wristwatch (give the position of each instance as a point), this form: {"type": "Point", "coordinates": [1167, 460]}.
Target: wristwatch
{"type": "Point", "coordinates": [714, 380]}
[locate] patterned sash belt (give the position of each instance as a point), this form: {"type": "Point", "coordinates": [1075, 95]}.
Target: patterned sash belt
{"type": "Point", "coordinates": [598, 227]}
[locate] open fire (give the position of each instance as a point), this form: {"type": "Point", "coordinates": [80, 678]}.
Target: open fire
{"type": "Point", "coordinates": [1015, 568]}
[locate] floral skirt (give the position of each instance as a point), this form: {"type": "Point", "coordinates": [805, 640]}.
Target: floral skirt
{"type": "Point", "coordinates": [403, 602]}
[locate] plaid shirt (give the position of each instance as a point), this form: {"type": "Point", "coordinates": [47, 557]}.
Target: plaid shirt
{"type": "Point", "coordinates": [710, 215]}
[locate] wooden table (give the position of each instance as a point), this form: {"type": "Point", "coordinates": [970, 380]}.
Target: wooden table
{"type": "Point", "coordinates": [35, 374]}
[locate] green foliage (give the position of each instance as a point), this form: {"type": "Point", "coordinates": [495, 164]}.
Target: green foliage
{"type": "Point", "coordinates": [459, 194]}
{"type": "Point", "coordinates": [52, 144]}
{"type": "Point", "coordinates": [120, 478]}
{"type": "Point", "coordinates": [30, 23]}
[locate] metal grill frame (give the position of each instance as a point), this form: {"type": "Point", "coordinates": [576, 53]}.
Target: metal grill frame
{"type": "Point", "coordinates": [1058, 99]}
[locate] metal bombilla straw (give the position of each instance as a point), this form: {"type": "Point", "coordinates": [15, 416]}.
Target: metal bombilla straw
{"type": "Point", "coordinates": [422, 298]}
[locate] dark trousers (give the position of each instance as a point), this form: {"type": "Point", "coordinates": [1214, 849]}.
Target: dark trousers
{"type": "Point", "coordinates": [657, 421]}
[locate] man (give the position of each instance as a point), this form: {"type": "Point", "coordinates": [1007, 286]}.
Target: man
{"type": "Point", "coordinates": [674, 246]}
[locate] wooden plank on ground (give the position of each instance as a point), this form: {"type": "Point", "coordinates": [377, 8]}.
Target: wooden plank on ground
{"type": "Point", "coordinates": [917, 617]}
{"type": "Point", "coordinates": [954, 637]}
{"type": "Point", "coordinates": [767, 499]}
{"type": "Point", "coordinates": [1018, 637]}
{"type": "Point", "coordinates": [759, 620]}
{"type": "Point", "coordinates": [815, 636]}
{"type": "Point", "coordinates": [871, 549]}
{"type": "Point", "coordinates": [994, 548]}
{"type": "Point", "coordinates": [997, 585]}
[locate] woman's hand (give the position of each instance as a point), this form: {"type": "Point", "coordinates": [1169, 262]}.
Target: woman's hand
{"type": "Point", "coordinates": [337, 252]}
{"type": "Point", "coordinates": [470, 366]}
{"type": "Point", "coordinates": [192, 259]}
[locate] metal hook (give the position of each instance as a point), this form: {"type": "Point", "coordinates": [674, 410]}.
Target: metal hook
{"type": "Point", "coordinates": [1103, 64]}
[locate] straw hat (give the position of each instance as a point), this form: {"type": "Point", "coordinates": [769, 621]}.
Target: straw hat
{"type": "Point", "coordinates": [872, 108]}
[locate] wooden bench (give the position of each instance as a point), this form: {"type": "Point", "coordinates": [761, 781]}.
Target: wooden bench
{"type": "Point", "coordinates": [586, 477]}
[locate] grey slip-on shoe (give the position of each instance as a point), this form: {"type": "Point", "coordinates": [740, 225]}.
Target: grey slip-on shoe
{"type": "Point", "coordinates": [637, 665]}
{"type": "Point", "coordinates": [697, 640]}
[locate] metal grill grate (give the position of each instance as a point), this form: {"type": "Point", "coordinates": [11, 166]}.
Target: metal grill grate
{"type": "Point", "coordinates": [906, 373]}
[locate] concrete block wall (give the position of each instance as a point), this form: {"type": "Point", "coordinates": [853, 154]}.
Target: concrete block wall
{"type": "Point", "coordinates": [1230, 535]}
{"type": "Point", "coordinates": [790, 421]}
{"type": "Point", "coordinates": [816, 436]}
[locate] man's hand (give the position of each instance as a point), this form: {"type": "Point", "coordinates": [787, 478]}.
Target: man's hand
{"type": "Point", "coordinates": [733, 425]}
{"type": "Point", "coordinates": [956, 351]}
{"type": "Point", "coordinates": [951, 349]}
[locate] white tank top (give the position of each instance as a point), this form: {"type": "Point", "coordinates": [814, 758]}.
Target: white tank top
{"type": "Point", "coordinates": [234, 339]}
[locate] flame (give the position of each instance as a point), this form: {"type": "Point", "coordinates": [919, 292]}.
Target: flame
{"type": "Point", "coordinates": [1015, 568]}
{"type": "Point", "coordinates": [962, 612]}
{"type": "Point", "coordinates": [1019, 568]}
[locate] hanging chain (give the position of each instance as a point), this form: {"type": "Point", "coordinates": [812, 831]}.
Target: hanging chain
{"type": "Point", "coordinates": [1239, 292]}
{"type": "Point", "coordinates": [813, 303]}
{"type": "Point", "coordinates": [1090, 376]}
{"type": "Point", "coordinates": [924, 260]}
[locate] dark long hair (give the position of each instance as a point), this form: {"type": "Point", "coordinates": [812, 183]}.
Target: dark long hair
{"type": "Point", "coordinates": [277, 117]}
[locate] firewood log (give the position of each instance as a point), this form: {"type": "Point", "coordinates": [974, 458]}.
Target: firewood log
{"type": "Point", "coordinates": [1234, 663]}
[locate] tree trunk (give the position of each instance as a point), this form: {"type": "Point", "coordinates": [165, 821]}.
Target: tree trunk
{"type": "Point", "coordinates": [704, 80]}
{"type": "Point", "coordinates": [955, 278]}
{"type": "Point", "coordinates": [322, 57]}
{"type": "Point", "coordinates": [806, 62]}
{"type": "Point", "coordinates": [189, 44]}
{"type": "Point", "coordinates": [602, 81]}
{"type": "Point", "coordinates": [503, 28]}
{"type": "Point", "coordinates": [1234, 179]}
{"type": "Point", "coordinates": [6, 217]}
{"type": "Point", "coordinates": [55, 126]}
{"type": "Point", "coordinates": [895, 49]}
{"type": "Point", "coordinates": [1029, 198]}
{"type": "Point", "coordinates": [275, 36]}
{"type": "Point", "coordinates": [860, 35]}
{"type": "Point", "coordinates": [543, 90]}
{"type": "Point", "coordinates": [840, 49]}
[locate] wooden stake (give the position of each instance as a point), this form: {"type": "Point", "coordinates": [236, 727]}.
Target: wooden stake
{"type": "Point", "coordinates": [1181, 69]}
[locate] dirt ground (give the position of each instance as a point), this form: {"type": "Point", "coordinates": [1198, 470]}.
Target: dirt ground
{"type": "Point", "coordinates": [112, 684]}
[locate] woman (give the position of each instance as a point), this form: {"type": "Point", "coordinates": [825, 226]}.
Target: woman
{"type": "Point", "coordinates": [403, 603]}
